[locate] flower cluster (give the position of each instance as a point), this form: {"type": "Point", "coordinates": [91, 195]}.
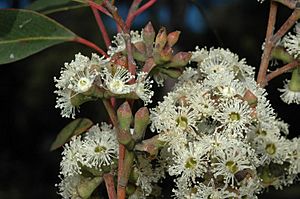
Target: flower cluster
{"type": "Point", "coordinates": [92, 152]}
{"type": "Point", "coordinates": [83, 74]}
{"type": "Point", "coordinates": [222, 134]}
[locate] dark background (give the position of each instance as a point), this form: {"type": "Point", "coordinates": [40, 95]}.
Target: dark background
{"type": "Point", "coordinates": [29, 122]}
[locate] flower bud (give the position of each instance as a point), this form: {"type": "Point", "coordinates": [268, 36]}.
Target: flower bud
{"type": "Point", "coordinates": [124, 116]}
{"type": "Point", "coordinates": [161, 40]}
{"type": "Point", "coordinates": [250, 98]}
{"type": "Point", "coordinates": [125, 138]}
{"type": "Point", "coordinates": [139, 54]}
{"type": "Point", "coordinates": [173, 73]}
{"type": "Point", "coordinates": [130, 189]}
{"type": "Point", "coordinates": [141, 121]}
{"type": "Point", "coordinates": [179, 60]}
{"type": "Point", "coordinates": [173, 38]}
{"type": "Point", "coordinates": [166, 54]}
{"type": "Point", "coordinates": [87, 186]}
{"type": "Point", "coordinates": [148, 34]}
{"type": "Point", "coordinates": [294, 84]}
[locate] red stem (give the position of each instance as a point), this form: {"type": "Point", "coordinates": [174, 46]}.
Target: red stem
{"type": "Point", "coordinates": [110, 186]}
{"type": "Point", "coordinates": [101, 26]}
{"type": "Point", "coordinates": [99, 7]}
{"type": "Point", "coordinates": [121, 191]}
{"type": "Point", "coordinates": [118, 19]}
{"type": "Point", "coordinates": [134, 6]}
{"type": "Point", "coordinates": [132, 16]}
{"type": "Point", "coordinates": [111, 112]}
{"type": "Point", "coordinates": [91, 45]}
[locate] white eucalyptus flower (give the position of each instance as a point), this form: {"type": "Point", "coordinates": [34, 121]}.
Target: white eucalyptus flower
{"type": "Point", "coordinates": [116, 81]}
{"type": "Point", "coordinates": [99, 147]}
{"type": "Point", "coordinates": [289, 96]}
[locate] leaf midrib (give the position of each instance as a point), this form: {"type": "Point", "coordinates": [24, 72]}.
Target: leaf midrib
{"type": "Point", "coordinates": [35, 39]}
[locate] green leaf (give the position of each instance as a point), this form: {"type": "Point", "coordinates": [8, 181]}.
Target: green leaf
{"type": "Point", "coordinates": [24, 32]}
{"type": "Point", "coordinates": [75, 127]}
{"type": "Point", "coordinates": [51, 6]}
{"type": "Point", "coordinates": [40, 5]}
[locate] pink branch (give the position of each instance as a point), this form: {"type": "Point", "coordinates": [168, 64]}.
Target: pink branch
{"type": "Point", "coordinates": [101, 26]}
{"type": "Point", "coordinates": [282, 70]}
{"type": "Point", "coordinates": [268, 44]}
{"type": "Point", "coordinates": [132, 16]}
{"type": "Point", "coordinates": [91, 45]}
{"type": "Point", "coordinates": [99, 7]}
{"type": "Point", "coordinates": [110, 186]}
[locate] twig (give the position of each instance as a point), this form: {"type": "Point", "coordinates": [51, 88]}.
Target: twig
{"type": "Point", "coordinates": [110, 186]}
{"type": "Point", "coordinates": [288, 3]}
{"type": "Point", "coordinates": [268, 44]}
{"type": "Point", "coordinates": [114, 12]}
{"type": "Point", "coordinates": [91, 45]}
{"type": "Point", "coordinates": [111, 112]}
{"type": "Point", "coordinates": [130, 59]}
{"type": "Point", "coordinates": [131, 16]}
{"type": "Point", "coordinates": [121, 190]}
{"type": "Point", "coordinates": [282, 70]}
{"type": "Point", "coordinates": [286, 26]}
{"type": "Point", "coordinates": [99, 7]}
{"type": "Point", "coordinates": [101, 26]}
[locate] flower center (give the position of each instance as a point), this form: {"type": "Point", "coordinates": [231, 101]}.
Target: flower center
{"type": "Point", "coordinates": [228, 91]}
{"type": "Point", "coordinates": [190, 163]}
{"type": "Point", "coordinates": [182, 122]}
{"type": "Point", "coordinates": [99, 149]}
{"type": "Point", "coordinates": [261, 132]}
{"type": "Point", "coordinates": [231, 166]}
{"type": "Point", "coordinates": [234, 116]}
{"type": "Point", "coordinates": [116, 86]}
{"type": "Point", "coordinates": [271, 149]}
{"type": "Point", "coordinates": [84, 84]}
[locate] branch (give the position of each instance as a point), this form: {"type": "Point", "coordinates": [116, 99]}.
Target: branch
{"type": "Point", "coordinates": [111, 112]}
{"type": "Point", "coordinates": [130, 59]}
{"type": "Point", "coordinates": [272, 40]}
{"type": "Point", "coordinates": [286, 26]}
{"type": "Point", "coordinates": [110, 186]}
{"type": "Point", "coordinates": [292, 4]}
{"type": "Point", "coordinates": [101, 26]}
{"type": "Point", "coordinates": [282, 70]}
{"type": "Point", "coordinates": [121, 190]}
{"type": "Point", "coordinates": [132, 15]}
{"type": "Point", "coordinates": [91, 45]}
{"type": "Point", "coordinates": [114, 12]}
{"type": "Point", "coordinates": [268, 44]}
{"type": "Point", "coordinates": [99, 7]}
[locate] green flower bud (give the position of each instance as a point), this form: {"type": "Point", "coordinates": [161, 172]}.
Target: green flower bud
{"type": "Point", "coordinates": [124, 116]}
{"type": "Point", "coordinates": [130, 189]}
{"type": "Point", "coordinates": [87, 186]}
{"type": "Point", "coordinates": [173, 73]}
{"type": "Point", "coordinates": [294, 84]}
{"type": "Point", "coordinates": [148, 34]}
{"type": "Point", "coordinates": [166, 54]}
{"type": "Point", "coordinates": [141, 121]}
